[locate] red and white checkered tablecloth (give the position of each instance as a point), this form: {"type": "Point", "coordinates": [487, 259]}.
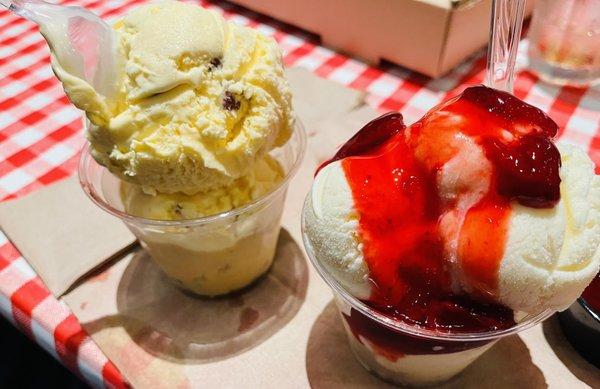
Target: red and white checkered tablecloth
{"type": "Point", "coordinates": [41, 135]}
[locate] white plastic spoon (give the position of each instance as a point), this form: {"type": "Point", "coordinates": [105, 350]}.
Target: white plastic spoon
{"type": "Point", "coordinates": [505, 31]}
{"type": "Point", "coordinates": [83, 44]}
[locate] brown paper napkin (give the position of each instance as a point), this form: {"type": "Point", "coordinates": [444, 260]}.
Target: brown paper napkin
{"type": "Point", "coordinates": [316, 99]}
{"type": "Point", "coordinates": [330, 133]}
{"type": "Point", "coordinates": [62, 234]}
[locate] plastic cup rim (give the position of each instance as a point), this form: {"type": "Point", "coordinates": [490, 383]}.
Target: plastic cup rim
{"type": "Point", "coordinates": [399, 326]}
{"type": "Point", "coordinates": [86, 159]}
{"type": "Point", "coordinates": [588, 308]}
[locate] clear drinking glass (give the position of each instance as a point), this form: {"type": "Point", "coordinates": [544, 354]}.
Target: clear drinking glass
{"type": "Point", "coordinates": [405, 354]}
{"type": "Point", "coordinates": [212, 255]}
{"type": "Point", "coordinates": [564, 41]}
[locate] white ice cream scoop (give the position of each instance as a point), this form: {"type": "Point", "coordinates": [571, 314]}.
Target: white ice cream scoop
{"type": "Point", "coordinates": [82, 43]}
{"type": "Point", "coordinates": [549, 257]}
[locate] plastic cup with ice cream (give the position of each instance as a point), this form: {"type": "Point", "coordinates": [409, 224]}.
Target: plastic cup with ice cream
{"type": "Point", "coordinates": [211, 255]}
{"type": "Point", "coordinates": [442, 237]}
{"type": "Point", "coordinates": [195, 149]}
{"type": "Point", "coordinates": [404, 354]}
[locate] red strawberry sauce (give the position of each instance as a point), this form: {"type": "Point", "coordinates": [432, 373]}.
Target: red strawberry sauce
{"type": "Point", "coordinates": [394, 172]}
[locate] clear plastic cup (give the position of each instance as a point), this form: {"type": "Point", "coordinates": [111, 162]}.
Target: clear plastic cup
{"type": "Point", "coordinates": [406, 354]}
{"type": "Point", "coordinates": [212, 255]}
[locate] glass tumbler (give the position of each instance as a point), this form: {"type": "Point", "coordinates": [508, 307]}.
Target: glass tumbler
{"type": "Point", "coordinates": [564, 41]}
{"type": "Point", "coordinates": [211, 255]}
{"type": "Point", "coordinates": [406, 354]}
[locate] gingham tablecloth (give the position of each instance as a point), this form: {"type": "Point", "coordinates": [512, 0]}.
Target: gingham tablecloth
{"type": "Point", "coordinates": [41, 135]}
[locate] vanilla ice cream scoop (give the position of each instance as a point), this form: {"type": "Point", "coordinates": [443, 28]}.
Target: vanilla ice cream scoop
{"type": "Point", "coordinates": [332, 225]}
{"type": "Point", "coordinates": [497, 227]}
{"type": "Point", "coordinates": [550, 254]}
{"type": "Point", "coordinates": [266, 174]}
{"type": "Point", "coordinates": [200, 100]}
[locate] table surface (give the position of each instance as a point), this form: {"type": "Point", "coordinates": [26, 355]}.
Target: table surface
{"type": "Point", "coordinates": [41, 135]}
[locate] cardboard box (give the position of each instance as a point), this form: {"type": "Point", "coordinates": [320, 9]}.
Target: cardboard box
{"type": "Point", "coordinates": [429, 36]}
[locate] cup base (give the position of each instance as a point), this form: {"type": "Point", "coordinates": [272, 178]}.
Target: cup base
{"type": "Point", "coordinates": [412, 370]}
{"type": "Point", "coordinates": [233, 292]}
{"type": "Point", "coordinates": [220, 272]}
{"type": "Point", "coordinates": [557, 75]}
{"type": "Point", "coordinates": [217, 261]}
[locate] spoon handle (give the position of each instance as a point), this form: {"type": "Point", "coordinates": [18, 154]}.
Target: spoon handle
{"type": "Point", "coordinates": [505, 32]}
{"type": "Point", "coordinates": [28, 9]}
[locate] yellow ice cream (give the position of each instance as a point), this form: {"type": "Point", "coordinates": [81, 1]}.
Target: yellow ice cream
{"type": "Point", "coordinates": [264, 176]}
{"type": "Point", "coordinates": [201, 100]}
